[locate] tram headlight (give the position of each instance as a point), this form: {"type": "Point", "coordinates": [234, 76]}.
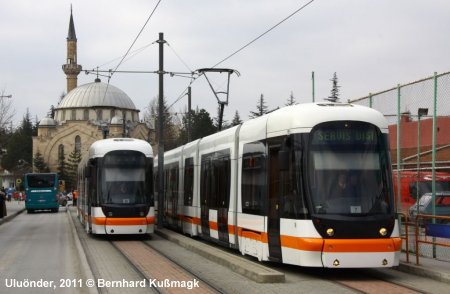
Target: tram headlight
{"type": "Point", "coordinates": [383, 232]}
{"type": "Point", "coordinates": [330, 232]}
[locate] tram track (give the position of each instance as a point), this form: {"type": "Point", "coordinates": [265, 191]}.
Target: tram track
{"type": "Point", "coordinates": [133, 258]}
{"type": "Point", "coordinates": [163, 274]}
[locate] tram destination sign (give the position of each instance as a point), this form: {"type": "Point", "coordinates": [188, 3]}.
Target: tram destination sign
{"type": "Point", "coordinates": [344, 136]}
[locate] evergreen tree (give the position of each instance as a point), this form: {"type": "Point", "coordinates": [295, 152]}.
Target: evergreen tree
{"type": "Point", "coordinates": [291, 100]}
{"type": "Point", "coordinates": [39, 164]}
{"type": "Point", "coordinates": [225, 125]}
{"type": "Point", "coordinates": [171, 129]}
{"type": "Point", "coordinates": [201, 126]}
{"type": "Point", "coordinates": [20, 146]}
{"type": "Point", "coordinates": [261, 108]}
{"type": "Point", "coordinates": [334, 97]}
{"type": "Point", "coordinates": [51, 112]}
{"type": "Point", "coordinates": [236, 119]}
{"type": "Point", "coordinates": [72, 169]}
{"type": "Point", "coordinates": [62, 165]}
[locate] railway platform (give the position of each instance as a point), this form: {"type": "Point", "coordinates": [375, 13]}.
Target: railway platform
{"type": "Point", "coordinates": [428, 268]}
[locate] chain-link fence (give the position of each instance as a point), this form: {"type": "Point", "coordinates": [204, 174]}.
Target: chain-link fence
{"type": "Point", "coordinates": [419, 129]}
{"type": "Point", "coordinates": [419, 112]}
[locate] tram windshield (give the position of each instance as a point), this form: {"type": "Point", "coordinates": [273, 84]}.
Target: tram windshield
{"type": "Point", "coordinates": [124, 179]}
{"type": "Point", "coordinates": [349, 169]}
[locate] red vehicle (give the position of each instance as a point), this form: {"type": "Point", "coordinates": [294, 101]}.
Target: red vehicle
{"type": "Point", "coordinates": [408, 185]}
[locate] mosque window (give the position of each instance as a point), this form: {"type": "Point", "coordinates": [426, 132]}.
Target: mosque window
{"type": "Point", "coordinates": [73, 115]}
{"type": "Point", "coordinates": [63, 115]}
{"type": "Point", "coordinates": [86, 114]}
{"type": "Point", "coordinates": [113, 113]}
{"type": "Point", "coordinates": [77, 144]}
{"type": "Point", "coordinates": [61, 152]}
{"type": "Point", "coordinates": [99, 114]}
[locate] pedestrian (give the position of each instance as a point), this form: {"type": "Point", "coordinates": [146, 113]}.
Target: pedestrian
{"type": "Point", "coordinates": [74, 197]}
{"type": "Point", "coordinates": [9, 194]}
{"type": "Point", "coordinates": [2, 202]}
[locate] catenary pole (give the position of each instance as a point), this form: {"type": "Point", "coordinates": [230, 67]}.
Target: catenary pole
{"type": "Point", "coordinates": [161, 132]}
{"type": "Point", "coordinates": [189, 135]}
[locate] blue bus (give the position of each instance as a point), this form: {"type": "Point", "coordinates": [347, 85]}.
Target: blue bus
{"type": "Point", "coordinates": [41, 191]}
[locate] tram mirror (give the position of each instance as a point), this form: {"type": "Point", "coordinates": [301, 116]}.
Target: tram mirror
{"type": "Point", "coordinates": [283, 160]}
{"type": "Point", "coordinates": [87, 172]}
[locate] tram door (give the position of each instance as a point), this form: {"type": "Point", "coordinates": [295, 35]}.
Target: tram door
{"type": "Point", "coordinates": [222, 184]}
{"type": "Point", "coordinates": [205, 190]}
{"type": "Point", "coordinates": [274, 205]}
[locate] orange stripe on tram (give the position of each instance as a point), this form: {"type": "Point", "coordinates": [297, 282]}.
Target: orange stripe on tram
{"type": "Point", "coordinates": [307, 244]}
{"type": "Point", "coordinates": [131, 221]}
{"type": "Point", "coordinates": [365, 245]}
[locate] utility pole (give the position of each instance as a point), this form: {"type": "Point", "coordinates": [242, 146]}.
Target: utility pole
{"type": "Point", "coordinates": [161, 132]}
{"type": "Point", "coordinates": [189, 135]}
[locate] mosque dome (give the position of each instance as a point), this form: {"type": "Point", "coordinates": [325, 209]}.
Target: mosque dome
{"type": "Point", "coordinates": [96, 94]}
{"type": "Point", "coordinates": [47, 122]}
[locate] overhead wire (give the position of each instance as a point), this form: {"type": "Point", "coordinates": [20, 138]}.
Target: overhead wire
{"type": "Point", "coordinates": [133, 53]}
{"type": "Point", "coordinates": [179, 58]}
{"type": "Point", "coordinates": [242, 48]}
{"type": "Point", "coordinates": [131, 46]}
{"type": "Point", "coordinates": [140, 32]}
{"type": "Point", "coordinates": [264, 33]}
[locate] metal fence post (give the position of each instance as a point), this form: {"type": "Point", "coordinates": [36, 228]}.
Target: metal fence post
{"type": "Point", "coordinates": [433, 159]}
{"type": "Point", "coordinates": [399, 202]}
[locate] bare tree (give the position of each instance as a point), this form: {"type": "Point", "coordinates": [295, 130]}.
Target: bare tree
{"type": "Point", "coordinates": [7, 111]}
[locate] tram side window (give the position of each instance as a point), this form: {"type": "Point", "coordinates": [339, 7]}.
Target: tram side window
{"type": "Point", "coordinates": [206, 182]}
{"type": "Point", "coordinates": [188, 181]}
{"type": "Point", "coordinates": [171, 182]}
{"type": "Point", "coordinates": [222, 178]}
{"type": "Point", "coordinates": [149, 186]}
{"type": "Point", "coordinates": [253, 187]}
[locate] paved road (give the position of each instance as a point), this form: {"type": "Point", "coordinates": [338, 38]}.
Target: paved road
{"type": "Point", "coordinates": [38, 250]}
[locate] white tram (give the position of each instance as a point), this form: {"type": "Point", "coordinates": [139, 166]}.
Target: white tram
{"type": "Point", "coordinates": [269, 188]}
{"type": "Point", "coordinates": [115, 185]}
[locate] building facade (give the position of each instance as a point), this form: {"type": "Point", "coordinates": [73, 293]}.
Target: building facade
{"type": "Point", "coordinates": [86, 114]}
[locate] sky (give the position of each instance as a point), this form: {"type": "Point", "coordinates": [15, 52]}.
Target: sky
{"type": "Point", "coordinates": [371, 45]}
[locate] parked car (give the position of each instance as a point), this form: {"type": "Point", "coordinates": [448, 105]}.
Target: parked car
{"type": "Point", "coordinates": [442, 205]}
{"type": "Point", "coordinates": [63, 199]}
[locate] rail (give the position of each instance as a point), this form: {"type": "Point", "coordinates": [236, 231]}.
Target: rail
{"type": "Point", "coordinates": [433, 230]}
{"type": "Point", "coordinates": [403, 219]}
{"type": "Point", "coordinates": [424, 231]}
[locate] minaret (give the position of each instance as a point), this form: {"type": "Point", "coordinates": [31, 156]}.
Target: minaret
{"type": "Point", "coordinates": [71, 68]}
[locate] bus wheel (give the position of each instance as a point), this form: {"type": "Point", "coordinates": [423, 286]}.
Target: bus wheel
{"type": "Point", "coordinates": [30, 211]}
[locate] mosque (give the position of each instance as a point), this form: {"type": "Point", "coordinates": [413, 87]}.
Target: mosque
{"type": "Point", "coordinates": [86, 114]}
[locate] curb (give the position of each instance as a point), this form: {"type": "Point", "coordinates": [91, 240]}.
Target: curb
{"type": "Point", "coordinates": [84, 264]}
{"type": "Point", "coordinates": [428, 271]}
{"type": "Point", "coordinates": [10, 217]}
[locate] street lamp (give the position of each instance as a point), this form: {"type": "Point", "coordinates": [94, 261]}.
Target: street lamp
{"type": "Point", "coordinates": [420, 112]}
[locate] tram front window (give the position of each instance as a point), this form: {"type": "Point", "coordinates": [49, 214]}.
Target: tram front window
{"type": "Point", "coordinates": [124, 186]}
{"type": "Point", "coordinates": [349, 170]}
{"type": "Point", "coordinates": [123, 180]}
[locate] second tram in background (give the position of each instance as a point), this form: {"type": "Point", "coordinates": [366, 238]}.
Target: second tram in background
{"type": "Point", "coordinates": [115, 184]}
{"type": "Point", "coordinates": [308, 185]}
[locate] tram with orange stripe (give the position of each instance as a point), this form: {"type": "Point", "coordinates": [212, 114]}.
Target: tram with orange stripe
{"type": "Point", "coordinates": [269, 188]}
{"type": "Point", "coordinates": [115, 185]}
